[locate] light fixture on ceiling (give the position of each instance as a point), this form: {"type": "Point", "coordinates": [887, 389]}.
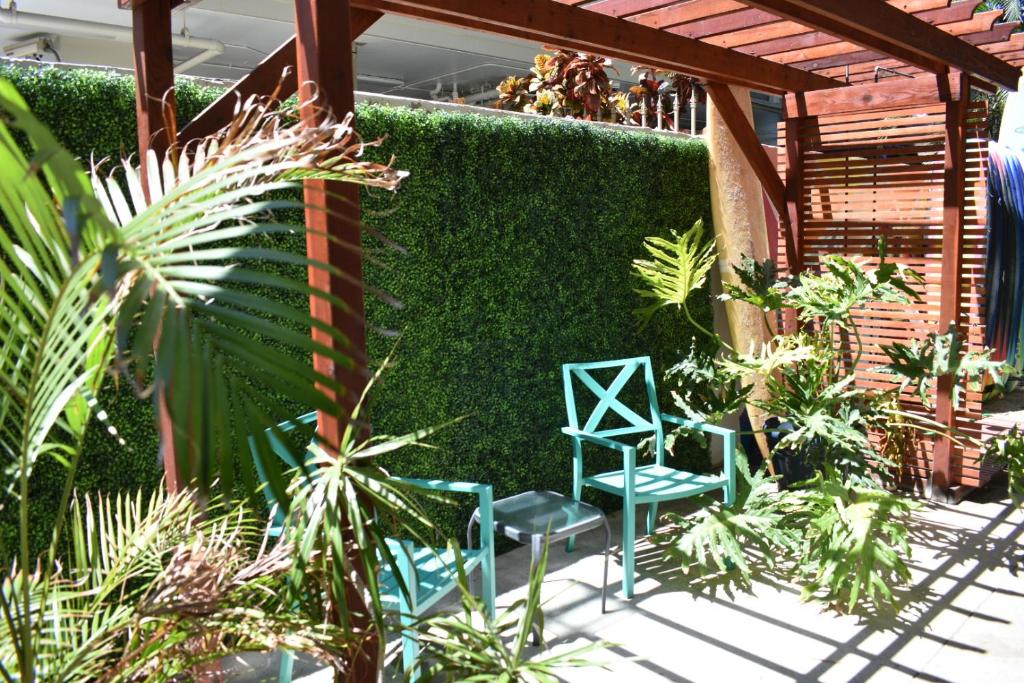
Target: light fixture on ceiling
{"type": "Point", "coordinates": [32, 48]}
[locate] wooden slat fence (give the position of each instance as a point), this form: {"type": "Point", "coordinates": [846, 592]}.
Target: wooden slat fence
{"type": "Point", "coordinates": [879, 172]}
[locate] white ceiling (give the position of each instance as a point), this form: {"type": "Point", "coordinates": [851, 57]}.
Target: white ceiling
{"type": "Point", "coordinates": [396, 55]}
{"type": "Point", "coordinates": [404, 56]}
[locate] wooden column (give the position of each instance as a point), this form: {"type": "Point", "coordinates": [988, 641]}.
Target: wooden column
{"type": "Point", "coordinates": [743, 132]}
{"type": "Point", "coordinates": [154, 77]}
{"type": "Point", "coordinates": [792, 215]}
{"type": "Point", "coordinates": [327, 85]}
{"type": "Point", "coordinates": [951, 297]}
{"type": "Point", "coordinates": [155, 110]}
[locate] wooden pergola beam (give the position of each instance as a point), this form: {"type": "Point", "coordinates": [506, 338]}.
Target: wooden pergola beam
{"type": "Point", "coordinates": [902, 92]}
{"type": "Point", "coordinates": [704, 19]}
{"type": "Point", "coordinates": [878, 26]}
{"type": "Point", "coordinates": [746, 137]}
{"type": "Point", "coordinates": [554, 23]}
{"type": "Point", "coordinates": [961, 11]}
{"type": "Point", "coordinates": [277, 71]}
{"type": "Point", "coordinates": [623, 8]}
{"type": "Point", "coordinates": [681, 13]}
{"type": "Point", "coordinates": [872, 59]}
{"type": "Point", "coordinates": [132, 4]}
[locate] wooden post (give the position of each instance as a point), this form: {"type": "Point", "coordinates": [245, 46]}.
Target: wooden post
{"type": "Point", "coordinates": [154, 76]}
{"type": "Point", "coordinates": [792, 216]}
{"type": "Point", "coordinates": [327, 87]}
{"type": "Point", "coordinates": [155, 112]}
{"type": "Point", "coordinates": [743, 132]}
{"type": "Point", "coordinates": [951, 295]}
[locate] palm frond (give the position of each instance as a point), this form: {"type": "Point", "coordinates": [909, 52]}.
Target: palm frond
{"type": "Point", "coordinates": [97, 270]}
{"type": "Point", "coordinates": [472, 646]}
{"type": "Point", "coordinates": [183, 263]}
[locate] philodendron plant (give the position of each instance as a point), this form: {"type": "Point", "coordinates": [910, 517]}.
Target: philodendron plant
{"type": "Point", "coordinates": [842, 532]}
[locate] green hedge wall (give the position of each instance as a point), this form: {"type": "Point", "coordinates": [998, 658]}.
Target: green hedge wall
{"type": "Point", "coordinates": [518, 236]}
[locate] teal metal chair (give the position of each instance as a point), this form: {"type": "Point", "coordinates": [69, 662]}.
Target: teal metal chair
{"type": "Point", "coordinates": [429, 574]}
{"type": "Point", "coordinates": [637, 485]}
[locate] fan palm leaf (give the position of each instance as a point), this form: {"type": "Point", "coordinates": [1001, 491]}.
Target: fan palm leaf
{"type": "Point", "coordinates": [99, 272]}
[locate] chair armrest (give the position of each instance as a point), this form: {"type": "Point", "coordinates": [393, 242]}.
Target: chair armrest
{"type": "Point", "coordinates": [598, 440]}
{"type": "Point", "coordinates": [701, 426]}
{"type": "Point", "coordinates": [728, 451]}
{"type": "Point", "coordinates": [447, 486]}
{"type": "Point", "coordinates": [484, 492]}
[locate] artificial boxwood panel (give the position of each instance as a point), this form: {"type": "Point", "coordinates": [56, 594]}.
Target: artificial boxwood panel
{"type": "Point", "coordinates": [518, 236]}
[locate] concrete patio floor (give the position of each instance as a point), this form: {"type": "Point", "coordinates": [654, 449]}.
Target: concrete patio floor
{"type": "Point", "coordinates": [962, 620]}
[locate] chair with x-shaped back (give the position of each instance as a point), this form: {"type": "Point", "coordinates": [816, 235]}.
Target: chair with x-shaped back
{"type": "Point", "coordinates": [646, 484]}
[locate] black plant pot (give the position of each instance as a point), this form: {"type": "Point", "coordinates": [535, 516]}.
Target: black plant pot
{"type": "Point", "coordinates": [749, 443]}
{"type": "Point", "coordinates": [793, 465]}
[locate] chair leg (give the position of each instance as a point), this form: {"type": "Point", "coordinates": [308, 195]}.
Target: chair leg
{"type": "Point", "coordinates": [607, 553]}
{"type": "Point", "coordinates": [628, 522]}
{"type": "Point", "coordinates": [628, 549]}
{"type": "Point", "coordinates": [284, 673]}
{"type": "Point", "coordinates": [652, 518]}
{"type": "Point", "coordinates": [577, 484]}
{"type": "Point", "coordinates": [470, 581]}
{"type": "Point", "coordinates": [410, 647]}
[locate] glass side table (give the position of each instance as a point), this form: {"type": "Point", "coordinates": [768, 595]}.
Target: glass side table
{"type": "Point", "coordinates": [529, 517]}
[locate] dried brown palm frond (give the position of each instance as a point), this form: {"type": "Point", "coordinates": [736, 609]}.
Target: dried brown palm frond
{"type": "Point", "coordinates": [155, 585]}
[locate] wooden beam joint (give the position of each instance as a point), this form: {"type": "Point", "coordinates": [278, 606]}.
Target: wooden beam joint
{"type": "Point", "coordinates": [878, 26]}
{"type": "Point", "coordinates": [575, 28]}
{"type": "Point", "coordinates": [746, 138]}
{"type": "Point", "coordinates": [274, 77]}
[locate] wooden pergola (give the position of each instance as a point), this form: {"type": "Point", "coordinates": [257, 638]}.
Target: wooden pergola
{"type": "Point", "coordinates": [881, 135]}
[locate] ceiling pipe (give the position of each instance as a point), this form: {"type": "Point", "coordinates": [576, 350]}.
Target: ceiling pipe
{"type": "Point", "coordinates": [10, 16]}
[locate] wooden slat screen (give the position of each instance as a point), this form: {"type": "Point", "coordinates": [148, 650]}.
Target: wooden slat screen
{"type": "Point", "coordinates": [879, 173]}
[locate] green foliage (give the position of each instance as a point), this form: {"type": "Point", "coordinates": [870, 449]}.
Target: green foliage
{"type": "Point", "coordinates": [845, 543]}
{"type": "Point", "coordinates": [854, 541]}
{"type": "Point", "coordinates": [680, 266]}
{"type": "Point", "coordinates": [841, 534]}
{"type": "Point", "coordinates": [922, 362]}
{"type": "Point", "coordinates": [96, 279]}
{"type": "Point", "coordinates": [519, 235]}
{"type": "Point", "coordinates": [698, 389]}
{"type": "Point", "coordinates": [472, 646]}
{"type": "Point", "coordinates": [1008, 450]}
{"type": "Point", "coordinates": [719, 538]}
{"type": "Point", "coordinates": [518, 238]}
{"type": "Point", "coordinates": [832, 296]}
{"type": "Point", "coordinates": [145, 578]}
{"type": "Point", "coordinates": [341, 517]}
{"type": "Point", "coordinates": [760, 285]}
